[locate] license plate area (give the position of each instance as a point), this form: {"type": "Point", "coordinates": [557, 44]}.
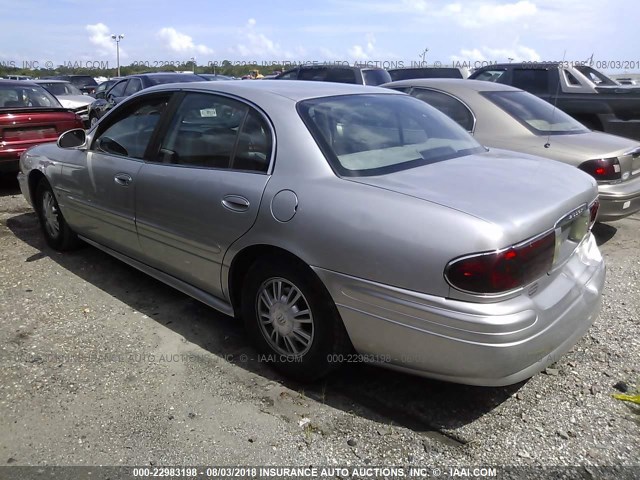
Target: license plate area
{"type": "Point", "coordinates": [570, 231]}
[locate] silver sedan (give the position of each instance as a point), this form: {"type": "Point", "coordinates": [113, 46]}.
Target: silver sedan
{"type": "Point", "coordinates": [502, 116]}
{"type": "Point", "coordinates": [339, 222]}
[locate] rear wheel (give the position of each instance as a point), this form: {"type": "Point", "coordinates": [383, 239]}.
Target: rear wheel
{"type": "Point", "coordinates": [57, 233]}
{"type": "Point", "coordinates": [292, 320]}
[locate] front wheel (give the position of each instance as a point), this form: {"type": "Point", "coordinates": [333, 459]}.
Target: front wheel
{"type": "Point", "coordinates": [292, 320]}
{"type": "Point", "coordinates": [57, 233]}
{"type": "Point", "coordinates": [93, 120]}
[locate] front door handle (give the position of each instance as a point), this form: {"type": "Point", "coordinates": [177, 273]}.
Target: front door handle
{"type": "Point", "coordinates": [123, 179]}
{"type": "Point", "coordinates": [235, 203]}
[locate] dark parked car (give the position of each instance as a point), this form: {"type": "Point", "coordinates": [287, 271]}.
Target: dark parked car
{"type": "Point", "coordinates": [426, 72]}
{"type": "Point", "coordinates": [134, 83]}
{"type": "Point", "coordinates": [103, 88]}
{"type": "Point", "coordinates": [214, 77]}
{"type": "Point", "coordinates": [29, 115]}
{"type": "Point", "coordinates": [338, 74]}
{"type": "Point", "coordinates": [86, 83]}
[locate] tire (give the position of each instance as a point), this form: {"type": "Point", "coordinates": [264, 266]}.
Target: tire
{"type": "Point", "coordinates": [302, 346]}
{"type": "Point", "coordinates": [57, 233]}
{"type": "Point", "coordinates": [92, 120]}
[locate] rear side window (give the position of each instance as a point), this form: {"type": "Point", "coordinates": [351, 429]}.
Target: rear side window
{"type": "Point", "coordinates": [134, 85]}
{"type": "Point", "coordinates": [531, 80]}
{"type": "Point", "coordinates": [212, 131]}
{"type": "Point", "coordinates": [447, 104]}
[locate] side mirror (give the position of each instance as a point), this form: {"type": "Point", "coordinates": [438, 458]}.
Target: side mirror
{"type": "Point", "coordinates": [72, 138]}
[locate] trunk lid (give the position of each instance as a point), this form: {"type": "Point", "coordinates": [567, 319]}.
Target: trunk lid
{"type": "Point", "coordinates": [522, 194]}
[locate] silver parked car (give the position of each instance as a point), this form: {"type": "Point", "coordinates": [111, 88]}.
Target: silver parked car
{"type": "Point", "coordinates": [334, 218]}
{"type": "Point", "coordinates": [502, 116]}
{"type": "Point", "coordinates": [69, 96]}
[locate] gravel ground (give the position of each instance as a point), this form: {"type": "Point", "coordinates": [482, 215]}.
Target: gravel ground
{"type": "Point", "coordinates": [102, 365]}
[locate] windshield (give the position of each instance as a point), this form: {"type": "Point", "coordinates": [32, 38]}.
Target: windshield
{"type": "Point", "coordinates": [537, 115]}
{"type": "Point", "coordinates": [28, 96]}
{"type": "Point", "coordinates": [62, 88]}
{"type": "Point", "coordinates": [376, 134]}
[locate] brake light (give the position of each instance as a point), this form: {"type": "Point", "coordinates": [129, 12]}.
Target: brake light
{"type": "Point", "coordinates": [496, 272]}
{"type": "Point", "coordinates": [602, 169]}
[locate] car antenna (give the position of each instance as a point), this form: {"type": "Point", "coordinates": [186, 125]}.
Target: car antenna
{"type": "Point", "coordinates": [555, 100]}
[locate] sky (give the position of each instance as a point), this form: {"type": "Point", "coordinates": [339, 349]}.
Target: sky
{"type": "Point", "coordinates": [384, 32]}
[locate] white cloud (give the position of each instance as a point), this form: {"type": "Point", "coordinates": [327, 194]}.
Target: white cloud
{"type": "Point", "coordinates": [359, 52]}
{"type": "Point", "coordinates": [181, 43]}
{"type": "Point", "coordinates": [100, 36]}
{"type": "Point", "coordinates": [256, 44]}
{"type": "Point", "coordinates": [516, 53]}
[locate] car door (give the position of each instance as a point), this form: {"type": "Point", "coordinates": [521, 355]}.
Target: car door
{"type": "Point", "coordinates": [203, 189]}
{"type": "Point", "coordinates": [102, 189]}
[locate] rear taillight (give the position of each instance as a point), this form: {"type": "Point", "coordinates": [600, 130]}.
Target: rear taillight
{"type": "Point", "coordinates": [602, 169]}
{"type": "Point", "coordinates": [497, 272]}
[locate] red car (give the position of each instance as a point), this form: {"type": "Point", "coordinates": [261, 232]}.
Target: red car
{"type": "Point", "coordinates": [29, 115]}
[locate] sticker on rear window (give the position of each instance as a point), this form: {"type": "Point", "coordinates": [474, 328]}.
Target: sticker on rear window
{"type": "Point", "coordinates": [208, 112]}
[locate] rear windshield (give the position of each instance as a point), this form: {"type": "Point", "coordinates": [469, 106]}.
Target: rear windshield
{"type": "Point", "coordinates": [537, 115]}
{"type": "Point", "coordinates": [408, 73]}
{"type": "Point", "coordinates": [28, 96]}
{"type": "Point", "coordinates": [62, 88]}
{"type": "Point", "coordinates": [83, 81]}
{"type": "Point", "coordinates": [363, 135]}
{"type": "Point", "coordinates": [375, 77]}
{"type": "Point", "coordinates": [170, 78]}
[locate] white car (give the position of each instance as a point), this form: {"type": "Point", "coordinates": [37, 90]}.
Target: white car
{"type": "Point", "coordinates": [69, 96]}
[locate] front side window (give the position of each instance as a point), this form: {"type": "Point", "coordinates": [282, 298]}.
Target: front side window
{"type": "Point", "coordinates": [118, 89]}
{"type": "Point", "coordinates": [212, 131]}
{"type": "Point", "coordinates": [129, 134]}
{"type": "Point", "coordinates": [377, 134]}
{"type": "Point", "coordinates": [134, 85]}
{"type": "Point", "coordinates": [447, 104]}
{"type": "Point", "coordinates": [537, 115]}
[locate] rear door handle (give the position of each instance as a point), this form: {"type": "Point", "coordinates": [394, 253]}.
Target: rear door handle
{"type": "Point", "coordinates": [235, 203]}
{"type": "Point", "coordinates": [123, 179]}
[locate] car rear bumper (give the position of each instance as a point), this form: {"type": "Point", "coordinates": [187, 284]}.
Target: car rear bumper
{"type": "Point", "coordinates": [473, 343]}
{"type": "Point", "coordinates": [620, 200]}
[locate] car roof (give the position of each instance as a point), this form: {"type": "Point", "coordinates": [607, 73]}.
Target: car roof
{"type": "Point", "coordinates": [519, 65]}
{"type": "Point", "coordinates": [16, 83]}
{"type": "Point", "coordinates": [453, 84]}
{"type": "Point", "coordinates": [292, 89]}
{"type": "Point", "coordinates": [49, 80]}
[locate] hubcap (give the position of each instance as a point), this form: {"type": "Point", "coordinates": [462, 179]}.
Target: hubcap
{"type": "Point", "coordinates": [284, 316]}
{"type": "Point", "coordinates": [50, 214]}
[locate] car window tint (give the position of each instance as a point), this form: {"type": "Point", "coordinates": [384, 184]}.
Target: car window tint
{"type": "Point", "coordinates": [134, 85]}
{"type": "Point", "coordinates": [118, 89]}
{"type": "Point", "coordinates": [341, 75]}
{"type": "Point", "coordinates": [379, 134]}
{"type": "Point", "coordinates": [130, 133]}
{"type": "Point", "coordinates": [203, 131]}
{"type": "Point", "coordinates": [254, 145]}
{"type": "Point", "coordinates": [375, 77]}
{"type": "Point", "coordinates": [531, 80]}
{"type": "Point", "coordinates": [490, 75]}
{"type": "Point", "coordinates": [447, 104]}
{"type": "Point", "coordinates": [539, 116]}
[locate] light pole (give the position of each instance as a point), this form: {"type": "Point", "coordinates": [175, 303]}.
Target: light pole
{"type": "Point", "coordinates": [193, 64]}
{"type": "Point", "coordinates": [117, 38]}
